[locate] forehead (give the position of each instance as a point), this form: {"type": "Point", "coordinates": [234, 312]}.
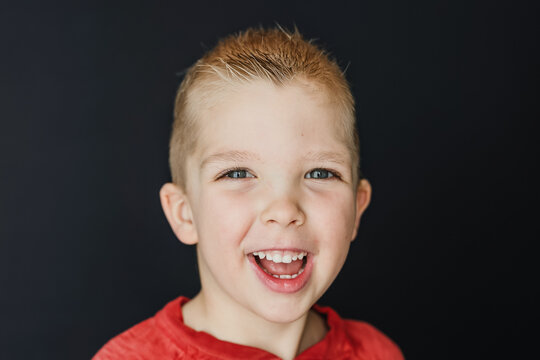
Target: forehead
{"type": "Point", "coordinates": [261, 115]}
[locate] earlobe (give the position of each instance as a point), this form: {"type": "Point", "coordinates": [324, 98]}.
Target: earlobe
{"type": "Point", "coordinates": [178, 212]}
{"type": "Point", "coordinates": [363, 198]}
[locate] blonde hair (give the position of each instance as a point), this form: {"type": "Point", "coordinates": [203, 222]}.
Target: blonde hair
{"type": "Point", "coordinates": [275, 55]}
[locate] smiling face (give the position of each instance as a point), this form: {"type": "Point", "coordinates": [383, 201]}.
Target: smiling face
{"type": "Point", "coordinates": [271, 178]}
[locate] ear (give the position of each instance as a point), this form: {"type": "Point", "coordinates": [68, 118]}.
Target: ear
{"type": "Point", "coordinates": [363, 197]}
{"type": "Point", "coordinates": [176, 207]}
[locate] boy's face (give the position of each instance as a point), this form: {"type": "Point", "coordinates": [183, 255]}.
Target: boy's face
{"type": "Point", "coordinates": [271, 174]}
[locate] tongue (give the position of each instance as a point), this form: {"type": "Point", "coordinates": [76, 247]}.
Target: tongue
{"type": "Point", "coordinates": [281, 268]}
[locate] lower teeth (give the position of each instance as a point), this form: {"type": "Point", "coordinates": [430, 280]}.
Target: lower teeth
{"type": "Point", "coordinates": [285, 276]}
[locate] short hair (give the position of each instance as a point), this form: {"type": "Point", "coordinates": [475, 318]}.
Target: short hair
{"type": "Point", "coordinates": [275, 55]}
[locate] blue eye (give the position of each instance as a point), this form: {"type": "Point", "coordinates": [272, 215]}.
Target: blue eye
{"type": "Point", "coordinates": [319, 174]}
{"type": "Point", "coordinates": [238, 174]}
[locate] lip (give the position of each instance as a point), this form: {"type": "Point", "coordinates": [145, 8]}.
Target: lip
{"type": "Point", "coordinates": [286, 286]}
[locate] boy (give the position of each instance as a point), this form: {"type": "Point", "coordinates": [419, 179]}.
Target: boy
{"type": "Point", "coordinates": [265, 169]}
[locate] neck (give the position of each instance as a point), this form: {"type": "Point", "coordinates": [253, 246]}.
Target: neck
{"type": "Point", "coordinates": [231, 322]}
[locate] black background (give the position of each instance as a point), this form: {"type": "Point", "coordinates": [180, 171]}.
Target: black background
{"type": "Point", "coordinates": [447, 97]}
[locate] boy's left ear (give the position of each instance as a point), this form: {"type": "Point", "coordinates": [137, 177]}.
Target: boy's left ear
{"type": "Point", "coordinates": [363, 197]}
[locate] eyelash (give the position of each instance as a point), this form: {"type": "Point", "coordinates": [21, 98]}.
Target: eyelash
{"type": "Point", "coordinates": [335, 174]}
{"type": "Point", "coordinates": [223, 175]}
{"type": "Point", "coordinates": [228, 171]}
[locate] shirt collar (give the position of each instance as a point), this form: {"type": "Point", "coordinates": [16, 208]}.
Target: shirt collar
{"type": "Point", "coordinates": [334, 345]}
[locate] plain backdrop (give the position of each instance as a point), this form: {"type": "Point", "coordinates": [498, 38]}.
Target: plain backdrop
{"type": "Point", "coordinates": [447, 99]}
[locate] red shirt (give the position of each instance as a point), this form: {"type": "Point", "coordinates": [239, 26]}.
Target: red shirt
{"type": "Point", "coordinates": [165, 336]}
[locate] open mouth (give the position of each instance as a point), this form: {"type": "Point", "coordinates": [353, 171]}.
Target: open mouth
{"type": "Point", "coordinates": [281, 264]}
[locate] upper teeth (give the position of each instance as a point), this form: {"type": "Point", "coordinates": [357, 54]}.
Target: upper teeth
{"type": "Point", "coordinates": [280, 256]}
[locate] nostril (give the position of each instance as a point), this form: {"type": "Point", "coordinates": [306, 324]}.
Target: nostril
{"type": "Point", "coordinates": [295, 222]}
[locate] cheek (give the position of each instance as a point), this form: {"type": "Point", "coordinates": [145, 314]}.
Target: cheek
{"type": "Point", "coordinates": [224, 218]}
{"type": "Point", "coordinates": [333, 216]}
{"type": "Point", "coordinates": [333, 222]}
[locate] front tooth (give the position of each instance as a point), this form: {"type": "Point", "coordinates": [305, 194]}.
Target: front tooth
{"type": "Point", "coordinates": [268, 256]}
{"type": "Point", "coordinates": [287, 259]}
{"type": "Point", "coordinates": [284, 276]}
{"type": "Point", "coordinates": [261, 255]}
{"type": "Point", "coordinates": [276, 258]}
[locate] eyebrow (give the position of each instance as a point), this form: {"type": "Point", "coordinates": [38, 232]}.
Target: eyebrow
{"type": "Point", "coordinates": [233, 155]}
{"type": "Point", "coordinates": [328, 156]}
{"type": "Point", "coordinates": [239, 156]}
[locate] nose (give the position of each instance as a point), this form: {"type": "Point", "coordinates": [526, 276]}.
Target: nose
{"type": "Point", "coordinates": [283, 212]}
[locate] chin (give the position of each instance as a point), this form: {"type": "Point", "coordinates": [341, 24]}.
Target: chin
{"type": "Point", "coordinates": [283, 312]}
